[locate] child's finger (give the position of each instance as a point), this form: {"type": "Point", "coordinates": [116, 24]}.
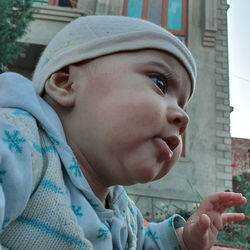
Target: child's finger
{"type": "Point", "coordinates": [223, 197]}
{"type": "Point", "coordinates": [232, 217]}
{"type": "Point", "coordinates": [204, 223]}
{"type": "Point", "coordinates": [223, 200]}
{"type": "Point", "coordinates": [233, 203]}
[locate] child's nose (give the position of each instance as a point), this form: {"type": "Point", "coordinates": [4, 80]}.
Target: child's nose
{"type": "Point", "coordinates": [178, 117]}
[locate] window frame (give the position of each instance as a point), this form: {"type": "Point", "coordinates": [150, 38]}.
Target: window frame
{"type": "Point", "coordinates": [164, 19]}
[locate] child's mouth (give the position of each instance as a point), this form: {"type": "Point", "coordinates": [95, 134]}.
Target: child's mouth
{"type": "Point", "coordinates": [167, 145]}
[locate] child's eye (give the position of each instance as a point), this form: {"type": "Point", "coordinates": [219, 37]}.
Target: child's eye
{"type": "Point", "coordinates": [161, 84]}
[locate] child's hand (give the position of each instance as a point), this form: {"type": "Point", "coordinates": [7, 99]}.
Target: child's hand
{"type": "Point", "coordinates": [201, 229]}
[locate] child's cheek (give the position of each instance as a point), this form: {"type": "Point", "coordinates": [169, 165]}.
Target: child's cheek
{"type": "Point", "coordinates": [147, 114]}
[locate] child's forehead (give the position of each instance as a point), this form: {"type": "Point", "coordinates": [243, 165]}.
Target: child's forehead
{"type": "Point", "coordinates": [147, 58]}
{"type": "Point", "coordinates": [145, 61]}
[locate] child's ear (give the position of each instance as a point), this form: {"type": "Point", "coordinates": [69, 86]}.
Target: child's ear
{"type": "Point", "coordinates": [60, 88]}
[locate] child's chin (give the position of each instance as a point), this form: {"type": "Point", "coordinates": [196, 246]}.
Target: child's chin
{"type": "Point", "coordinates": [150, 178]}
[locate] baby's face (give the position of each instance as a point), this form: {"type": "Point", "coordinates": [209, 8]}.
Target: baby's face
{"type": "Point", "coordinates": [129, 115]}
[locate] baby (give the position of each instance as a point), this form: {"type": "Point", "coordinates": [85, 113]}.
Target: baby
{"type": "Point", "coordinates": [114, 93]}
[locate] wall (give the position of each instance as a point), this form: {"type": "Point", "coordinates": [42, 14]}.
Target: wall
{"type": "Point", "coordinates": [87, 6]}
{"type": "Point", "coordinates": [222, 129]}
{"type": "Point", "coordinates": [48, 20]}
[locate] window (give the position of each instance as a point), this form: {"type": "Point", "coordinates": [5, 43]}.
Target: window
{"type": "Point", "coordinates": [63, 3]}
{"type": "Point", "coordinates": [170, 14]}
{"type": "Point", "coordinates": [41, 2]}
{"type": "Point", "coordinates": [135, 8]}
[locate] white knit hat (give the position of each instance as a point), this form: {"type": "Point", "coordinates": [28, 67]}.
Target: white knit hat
{"type": "Point", "coordinates": [93, 36]}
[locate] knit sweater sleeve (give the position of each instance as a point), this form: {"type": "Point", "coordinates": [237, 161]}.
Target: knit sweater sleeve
{"type": "Point", "coordinates": [15, 168]}
{"type": "Point", "coordinates": [159, 235]}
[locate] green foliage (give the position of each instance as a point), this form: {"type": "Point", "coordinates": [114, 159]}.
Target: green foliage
{"type": "Point", "coordinates": [241, 184]}
{"type": "Point", "coordinates": [238, 234]}
{"type": "Point", "coordinates": [15, 16]}
{"type": "Point", "coordinates": [198, 199]}
{"type": "Point", "coordinates": [197, 195]}
{"type": "Point", "coordinates": [184, 212]}
{"type": "Point", "coordinates": [167, 208]}
{"type": "Point", "coordinates": [235, 234]}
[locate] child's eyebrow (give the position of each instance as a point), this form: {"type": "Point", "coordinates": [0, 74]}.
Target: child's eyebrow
{"type": "Point", "coordinates": [164, 68]}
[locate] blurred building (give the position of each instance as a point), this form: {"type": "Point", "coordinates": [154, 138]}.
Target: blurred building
{"type": "Point", "coordinates": [201, 24]}
{"type": "Point", "coordinates": [240, 155]}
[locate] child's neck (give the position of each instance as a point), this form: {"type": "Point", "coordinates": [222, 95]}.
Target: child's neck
{"type": "Point", "coordinates": [100, 190]}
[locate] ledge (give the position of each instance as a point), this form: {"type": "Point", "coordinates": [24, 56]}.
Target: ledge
{"type": "Point", "coordinates": [48, 20]}
{"type": "Point", "coordinates": [56, 13]}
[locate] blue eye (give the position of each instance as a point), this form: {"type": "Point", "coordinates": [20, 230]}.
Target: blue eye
{"type": "Point", "coordinates": [161, 84]}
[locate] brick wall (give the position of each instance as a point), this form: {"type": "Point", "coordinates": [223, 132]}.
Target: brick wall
{"type": "Point", "coordinates": [223, 139]}
{"type": "Point", "coordinates": [240, 155]}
